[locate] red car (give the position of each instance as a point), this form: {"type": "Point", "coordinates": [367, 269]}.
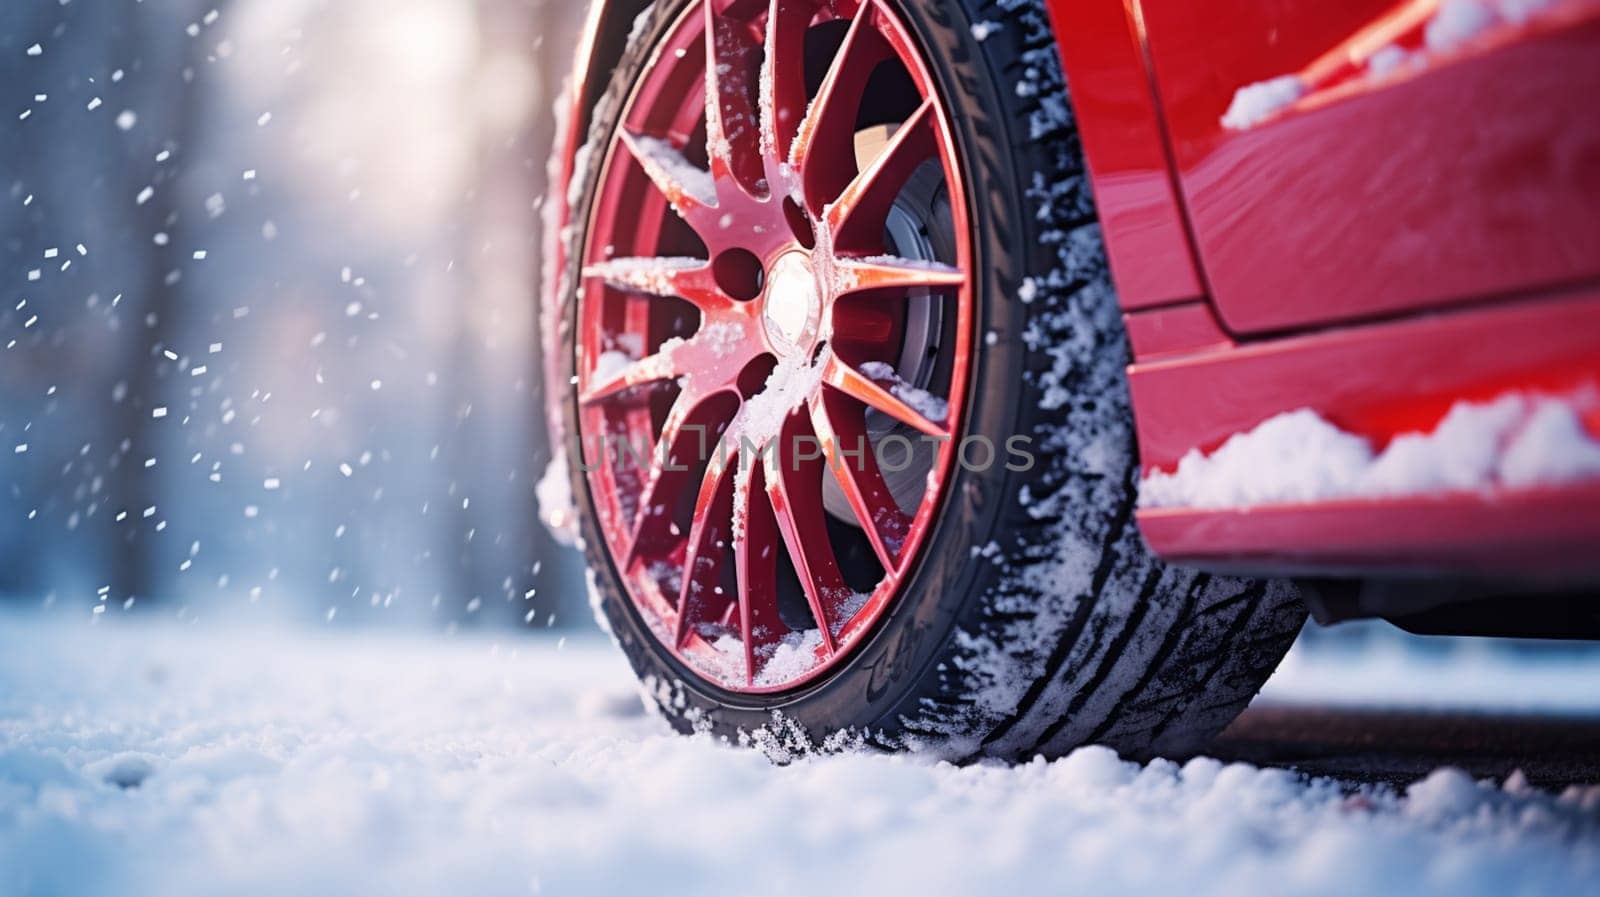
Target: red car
{"type": "Point", "coordinates": [995, 376]}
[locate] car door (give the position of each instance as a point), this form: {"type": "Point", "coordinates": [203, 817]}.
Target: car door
{"type": "Point", "coordinates": [1366, 158]}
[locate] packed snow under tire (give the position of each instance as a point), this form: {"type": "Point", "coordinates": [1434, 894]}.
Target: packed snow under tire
{"type": "Point", "coordinates": [1035, 619]}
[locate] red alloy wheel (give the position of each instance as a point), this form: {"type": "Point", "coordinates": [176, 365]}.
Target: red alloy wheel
{"type": "Point", "coordinates": [768, 309]}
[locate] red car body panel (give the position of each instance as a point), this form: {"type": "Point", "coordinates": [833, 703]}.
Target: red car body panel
{"type": "Point", "coordinates": [1180, 329]}
{"type": "Point", "coordinates": [1379, 380]}
{"type": "Point", "coordinates": [1455, 207]}
{"type": "Point", "coordinates": [1538, 537]}
{"type": "Point", "coordinates": [1473, 174]}
{"type": "Point", "coordinates": [1135, 193]}
{"type": "Point", "coordinates": [1378, 250]}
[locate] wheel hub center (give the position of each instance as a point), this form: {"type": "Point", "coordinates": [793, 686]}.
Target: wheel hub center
{"type": "Point", "coordinates": [791, 308]}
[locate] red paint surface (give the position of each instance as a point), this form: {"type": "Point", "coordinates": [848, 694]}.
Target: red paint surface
{"type": "Point", "coordinates": [1541, 534]}
{"type": "Point", "coordinates": [1376, 380]}
{"type": "Point", "coordinates": [1121, 133]}
{"type": "Point", "coordinates": [1476, 177]}
{"type": "Point", "coordinates": [1183, 329]}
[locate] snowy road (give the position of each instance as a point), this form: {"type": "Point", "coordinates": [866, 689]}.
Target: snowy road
{"type": "Point", "coordinates": [142, 759]}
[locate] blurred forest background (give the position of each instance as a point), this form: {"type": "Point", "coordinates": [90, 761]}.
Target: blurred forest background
{"type": "Point", "coordinates": [268, 334]}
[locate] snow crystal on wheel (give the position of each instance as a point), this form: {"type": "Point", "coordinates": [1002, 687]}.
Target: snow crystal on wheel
{"type": "Point", "coordinates": [653, 275]}
{"type": "Point", "coordinates": [666, 163]}
{"type": "Point", "coordinates": [923, 402]}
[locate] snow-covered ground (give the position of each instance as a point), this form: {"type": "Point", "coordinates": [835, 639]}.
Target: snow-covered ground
{"type": "Point", "coordinates": [142, 758]}
{"type": "Point", "coordinates": [1371, 664]}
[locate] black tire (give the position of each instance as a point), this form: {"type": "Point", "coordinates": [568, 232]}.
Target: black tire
{"type": "Point", "coordinates": [1036, 619]}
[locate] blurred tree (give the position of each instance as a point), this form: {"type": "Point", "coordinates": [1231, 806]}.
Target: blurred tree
{"type": "Point", "coordinates": [178, 110]}
{"type": "Point", "coordinates": [294, 360]}
{"type": "Point", "coordinates": [85, 285]}
{"type": "Point", "coordinates": [501, 445]}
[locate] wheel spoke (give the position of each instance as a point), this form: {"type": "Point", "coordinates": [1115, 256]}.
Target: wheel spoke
{"type": "Point", "coordinates": [655, 368]}
{"type": "Point", "coordinates": [667, 467]}
{"type": "Point", "coordinates": [702, 364]}
{"type": "Point", "coordinates": [847, 379]}
{"type": "Point", "coordinates": [755, 552]}
{"type": "Point", "coordinates": [685, 278]}
{"type": "Point", "coordinates": [858, 215]}
{"type": "Point", "coordinates": [794, 487]}
{"type": "Point", "coordinates": [690, 190]}
{"type": "Point", "coordinates": [689, 279]}
{"type": "Point", "coordinates": [884, 272]}
{"type": "Point", "coordinates": [855, 467]}
{"type": "Point", "coordinates": [733, 130]}
{"type": "Point", "coordinates": [702, 559]}
{"type": "Point", "coordinates": [824, 147]}
{"type": "Point", "coordinates": [783, 77]}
